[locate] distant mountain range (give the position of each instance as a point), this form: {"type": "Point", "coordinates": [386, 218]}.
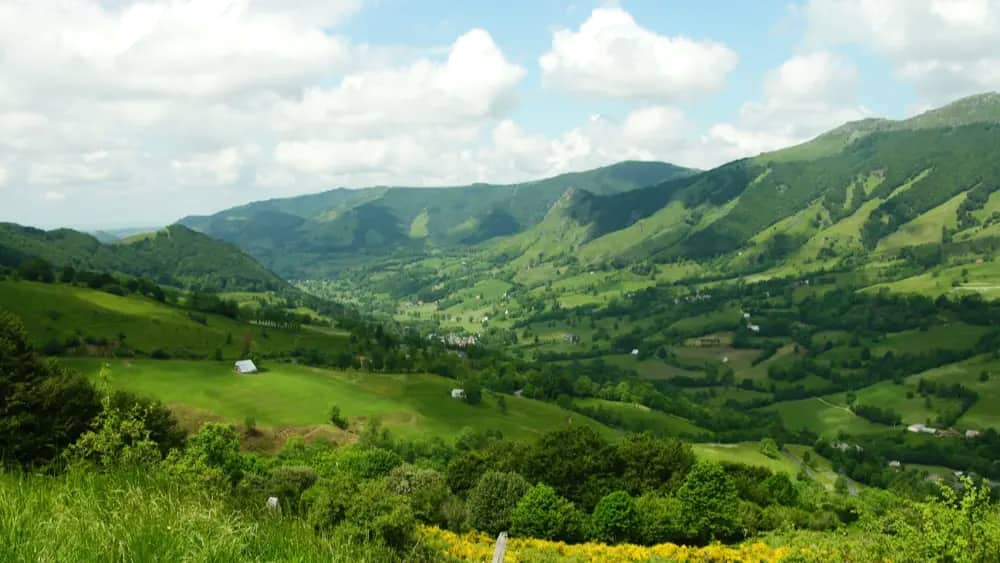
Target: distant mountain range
{"type": "Point", "coordinates": [299, 236]}
{"type": "Point", "coordinates": [867, 186]}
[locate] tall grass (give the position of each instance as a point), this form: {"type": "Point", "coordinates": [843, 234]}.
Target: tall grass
{"type": "Point", "coordinates": [84, 516]}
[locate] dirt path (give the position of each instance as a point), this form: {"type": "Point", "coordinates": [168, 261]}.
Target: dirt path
{"type": "Point", "coordinates": [829, 404]}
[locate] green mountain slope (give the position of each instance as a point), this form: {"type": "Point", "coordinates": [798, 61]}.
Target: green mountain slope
{"type": "Point", "coordinates": [309, 234]}
{"type": "Point", "coordinates": [176, 256]}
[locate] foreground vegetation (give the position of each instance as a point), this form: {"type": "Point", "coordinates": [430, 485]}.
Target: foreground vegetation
{"type": "Point", "coordinates": [98, 474]}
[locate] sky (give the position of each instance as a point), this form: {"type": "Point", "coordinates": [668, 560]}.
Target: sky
{"type": "Point", "coordinates": [117, 113]}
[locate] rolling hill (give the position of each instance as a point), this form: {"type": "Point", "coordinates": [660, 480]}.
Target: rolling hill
{"type": "Point", "coordinates": [175, 256]}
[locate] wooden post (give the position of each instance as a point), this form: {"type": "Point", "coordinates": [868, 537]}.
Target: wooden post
{"type": "Point", "coordinates": [501, 548]}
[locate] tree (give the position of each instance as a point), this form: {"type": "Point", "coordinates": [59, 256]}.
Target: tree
{"type": "Point", "coordinates": [615, 519]}
{"type": "Point", "coordinates": [336, 418]}
{"type": "Point", "coordinates": [36, 269]}
{"type": "Point", "coordinates": [653, 464]}
{"type": "Point", "coordinates": [493, 499]}
{"type": "Point", "coordinates": [542, 513]}
{"type": "Point", "coordinates": [576, 462]}
{"type": "Point", "coordinates": [43, 406]}
{"type": "Point", "coordinates": [473, 393]}
{"type": "Point", "coordinates": [708, 499]}
{"type": "Point", "coordinates": [502, 404]}
{"type": "Point", "coordinates": [659, 519]}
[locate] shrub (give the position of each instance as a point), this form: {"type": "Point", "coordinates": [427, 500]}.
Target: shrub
{"type": "Point", "coordinates": [615, 519]}
{"type": "Point", "coordinates": [368, 463]}
{"type": "Point", "coordinates": [493, 499]}
{"type": "Point", "coordinates": [289, 483]}
{"type": "Point", "coordinates": [541, 513]}
{"type": "Point", "coordinates": [212, 456]}
{"type": "Point", "coordinates": [425, 489]}
{"type": "Point", "coordinates": [659, 519]}
{"type": "Point", "coordinates": [336, 418]}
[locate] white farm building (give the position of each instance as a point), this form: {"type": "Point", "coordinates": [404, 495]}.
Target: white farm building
{"type": "Point", "coordinates": [245, 367]}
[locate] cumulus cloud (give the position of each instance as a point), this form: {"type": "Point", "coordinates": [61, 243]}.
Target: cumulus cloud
{"type": "Point", "coordinates": [613, 56]}
{"type": "Point", "coordinates": [806, 95]}
{"type": "Point", "coordinates": [945, 48]}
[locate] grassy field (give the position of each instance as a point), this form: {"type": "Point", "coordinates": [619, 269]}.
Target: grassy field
{"type": "Point", "coordinates": [787, 461]}
{"type": "Point", "coordinates": [148, 516]}
{"type": "Point", "coordinates": [296, 396]}
{"type": "Point", "coordinates": [822, 417]}
{"type": "Point", "coordinates": [655, 421]}
{"type": "Point", "coordinates": [954, 336]}
{"type": "Point", "coordinates": [58, 312]}
{"type": "Point", "coordinates": [985, 413]}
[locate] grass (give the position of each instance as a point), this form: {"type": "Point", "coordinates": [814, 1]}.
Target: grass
{"type": "Point", "coordinates": [954, 336]}
{"type": "Point", "coordinates": [646, 418]}
{"type": "Point", "coordinates": [296, 396]}
{"type": "Point", "coordinates": [58, 312]}
{"type": "Point", "coordinates": [822, 417]}
{"type": "Point", "coordinates": [985, 413]}
{"type": "Point", "coordinates": [926, 228]}
{"type": "Point", "coordinates": [746, 453]}
{"type": "Point", "coordinates": [84, 517]}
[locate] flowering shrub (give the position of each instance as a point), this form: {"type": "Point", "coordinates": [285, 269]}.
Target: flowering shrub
{"type": "Point", "coordinates": [476, 546]}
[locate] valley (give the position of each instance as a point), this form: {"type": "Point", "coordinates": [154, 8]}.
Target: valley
{"type": "Point", "coordinates": [803, 330]}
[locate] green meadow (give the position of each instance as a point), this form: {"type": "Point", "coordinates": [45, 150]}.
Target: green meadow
{"type": "Point", "coordinates": [57, 312]}
{"type": "Point", "coordinates": [288, 395]}
{"type": "Point", "coordinates": [640, 416]}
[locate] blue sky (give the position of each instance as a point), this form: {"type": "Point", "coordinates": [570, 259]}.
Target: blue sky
{"type": "Point", "coordinates": [143, 111]}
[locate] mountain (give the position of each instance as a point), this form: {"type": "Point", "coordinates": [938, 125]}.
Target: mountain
{"type": "Point", "coordinates": [175, 256]}
{"type": "Point", "coordinates": [302, 235]}
{"type": "Point", "coordinates": [850, 190]}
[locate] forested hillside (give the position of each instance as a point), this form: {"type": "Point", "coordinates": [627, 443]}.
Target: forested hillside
{"type": "Point", "coordinates": [175, 256]}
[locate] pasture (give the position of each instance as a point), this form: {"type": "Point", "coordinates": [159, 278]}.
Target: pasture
{"type": "Point", "coordinates": [295, 396]}
{"type": "Point", "coordinates": [642, 417]}
{"type": "Point", "coordinates": [57, 312]}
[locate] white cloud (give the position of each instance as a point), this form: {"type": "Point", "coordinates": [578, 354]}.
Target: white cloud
{"type": "Point", "coordinates": [3, 176]}
{"type": "Point", "coordinates": [945, 48]}
{"type": "Point", "coordinates": [220, 167]}
{"type": "Point", "coordinates": [53, 196]}
{"type": "Point", "coordinates": [474, 82]}
{"type": "Point", "coordinates": [613, 56]}
{"type": "Point", "coordinates": [806, 95]}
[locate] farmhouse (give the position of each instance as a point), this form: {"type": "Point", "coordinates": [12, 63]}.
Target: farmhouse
{"type": "Point", "coordinates": [973, 434]}
{"type": "Point", "coordinates": [245, 367]}
{"type": "Point", "coordinates": [921, 428]}
{"type": "Point", "coordinates": [895, 464]}
{"type": "Point", "coordinates": [753, 328]}
{"type": "Point", "coordinates": [635, 351]}
{"type": "Point", "coordinates": [458, 393]}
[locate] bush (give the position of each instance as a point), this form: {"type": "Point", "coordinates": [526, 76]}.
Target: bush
{"type": "Point", "coordinates": [212, 456]}
{"type": "Point", "coordinates": [659, 519]}
{"type": "Point", "coordinates": [289, 483]}
{"type": "Point", "coordinates": [425, 489]}
{"type": "Point", "coordinates": [493, 499]}
{"type": "Point", "coordinates": [615, 519]}
{"type": "Point", "coordinates": [541, 513]}
{"type": "Point", "coordinates": [336, 418]}
{"type": "Point", "coordinates": [368, 463]}
{"type": "Point", "coordinates": [370, 513]}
